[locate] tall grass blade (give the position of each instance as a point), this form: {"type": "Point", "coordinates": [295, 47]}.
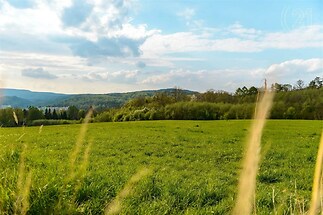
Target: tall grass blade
{"type": "Point", "coordinates": [15, 117]}
{"type": "Point", "coordinates": [317, 185]}
{"type": "Point", "coordinates": [19, 186]}
{"type": "Point", "coordinates": [73, 156]}
{"type": "Point", "coordinates": [40, 129]}
{"type": "Point", "coordinates": [116, 205]}
{"type": "Point", "coordinates": [247, 181]}
{"type": "Point", "coordinates": [79, 142]}
{"type": "Point", "coordinates": [82, 169]}
{"type": "Point", "coordinates": [21, 204]}
{"type": "Point", "coordinates": [21, 136]}
{"type": "Point", "coordinates": [86, 156]}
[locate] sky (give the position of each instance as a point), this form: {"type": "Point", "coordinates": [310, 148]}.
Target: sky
{"type": "Point", "coordinates": [104, 46]}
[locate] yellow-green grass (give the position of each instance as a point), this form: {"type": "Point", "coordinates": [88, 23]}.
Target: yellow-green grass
{"type": "Point", "coordinates": [195, 166]}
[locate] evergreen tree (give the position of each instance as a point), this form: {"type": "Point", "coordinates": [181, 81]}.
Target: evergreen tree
{"type": "Point", "coordinates": [73, 113]}
{"type": "Point", "coordinates": [63, 114]}
{"type": "Point", "coordinates": [54, 115]}
{"type": "Point", "coordinates": [48, 114]}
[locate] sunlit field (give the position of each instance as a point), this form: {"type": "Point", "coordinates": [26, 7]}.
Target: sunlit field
{"type": "Point", "coordinates": [193, 167]}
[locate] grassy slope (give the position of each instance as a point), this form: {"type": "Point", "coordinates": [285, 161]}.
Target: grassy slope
{"type": "Point", "coordinates": [195, 166]}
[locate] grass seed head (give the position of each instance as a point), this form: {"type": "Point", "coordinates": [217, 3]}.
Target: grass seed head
{"type": "Point", "coordinates": [247, 181]}
{"type": "Point", "coordinates": [79, 143]}
{"type": "Point", "coordinates": [40, 129]}
{"type": "Point", "coordinates": [317, 182]}
{"type": "Point", "coordinates": [15, 117]}
{"type": "Point", "coordinates": [116, 205]}
{"type": "Point", "coordinates": [21, 205]}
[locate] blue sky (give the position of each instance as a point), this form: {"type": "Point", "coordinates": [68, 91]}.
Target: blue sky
{"type": "Point", "coordinates": [101, 46]}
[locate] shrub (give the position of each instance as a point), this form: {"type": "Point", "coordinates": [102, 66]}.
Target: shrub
{"type": "Point", "coordinates": [52, 122]}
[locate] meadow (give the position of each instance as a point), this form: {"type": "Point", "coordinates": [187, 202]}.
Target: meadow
{"type": "Point", "coordinates": [192, 167]}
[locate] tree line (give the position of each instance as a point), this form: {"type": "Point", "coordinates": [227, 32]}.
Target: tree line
{"type": "Point", "coordinates": [291, 102]}
{"type": "Point", "coordinates": [10, 117]}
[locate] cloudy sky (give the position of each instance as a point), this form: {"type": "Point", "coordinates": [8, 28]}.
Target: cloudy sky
{"type": "Point", "coordinates": [101, 46]}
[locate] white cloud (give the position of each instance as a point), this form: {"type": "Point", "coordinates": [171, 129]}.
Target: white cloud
{"type": "Point", "coordinates": [290, 71]}
{"type": "Point", "coordinates": [247, 40]}
{"type": "Point", "coordinates": [98, 28]}
{"type": "Point", "coordinates": [231, 79]}
{"type": "Point", "coordinates": [201, 80]}
{"type": "Point", "coordinates": [122, 76]}
{"type": "Point", "coordinates": [38, 73]}
{"type": "Point", "coordinates": [239, 30]}
{"type": "Point", "coordinates": [134, 32]}
{"type": "Point", "coordinates": [58, 64]}
{"type": "Point", "coordinates": [174, 76]}
{"type": "Point", "coordinates": [162, 61]}
{"type": "Point", "coordinates": [303, 37]}
{"type": "Point", "coordinates": [99, 79]}
{"type": "Point", "coordinates": [187, 13]}
{"type": "Point", "coordinates": [189, 42]}
{"type": "Point", "coordinates": [39, 18]}
{"type": "Point", "coordinates": [296, 66]}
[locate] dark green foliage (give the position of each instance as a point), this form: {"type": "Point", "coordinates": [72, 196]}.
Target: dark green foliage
{"type": "Point", "coordinates": [48, 113]}
{"type": "Point", "coordinates": [63, 114]}
{"type": "Point", "coordinates": [299, 103]}
{"type": "Point", "coordinates": [7, 117]}
{"type": "Point", "coordinates": [39, 122]}
{"type": "Point", "coordinates": [316, 83]}
{"type": "Point", "coordinates": [244, 91]}
{"type": "Point", "coordinates": [54, 115]}
{"type": "Point", "coordinates": [35, 117]}
{"type": "Point", "coordinates": [73, 113]}
{"type": "Point", "coordinates": [113, 100]}
{"type": "Point", "coordinates": [34, 113]}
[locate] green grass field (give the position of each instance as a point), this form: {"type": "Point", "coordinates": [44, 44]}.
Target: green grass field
{"type": "Point", "coordinates": [194, 166]}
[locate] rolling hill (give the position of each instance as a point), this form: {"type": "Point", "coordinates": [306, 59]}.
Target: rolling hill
{"type": "Point", "coordinates": [25, 98]}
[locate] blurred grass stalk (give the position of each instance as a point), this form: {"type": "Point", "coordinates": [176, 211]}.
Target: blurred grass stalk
{"type": "Point", "coordinates": [79, 143]}
{"type": "Point", "coordinates": [83, 168]}
{"type": "Point", "coordinates": [73, 169]}
{"type": "Point", "coordinates": [317, 182]}
{"type": "Point", "coordinates": [1, 203]}
{"type": "Point", "coordinates": [21, 205]}
{"type": "Point", "coordinates": [116, 205]}
{"type": "Point", "coordinates": [247, 181]}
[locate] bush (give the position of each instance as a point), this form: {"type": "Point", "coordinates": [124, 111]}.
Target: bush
{"type": "Point", "coordinates": [107, 116]}
{"type": "Point", "coordinates": [119, 116]}
{"type": "Point", "coordinates": [40, 122]}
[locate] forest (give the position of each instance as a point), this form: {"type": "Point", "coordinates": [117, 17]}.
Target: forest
{"type": "Point", "coordinates": [300, 101]}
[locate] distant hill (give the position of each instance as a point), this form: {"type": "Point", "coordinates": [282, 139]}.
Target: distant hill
{"type": "Point", "coordinates": [25, 98]}
{"type": "Point", "coordinates": [14, 101]}
{"type": "Point", "coordinates": [109, 100]}
{"type": "Point", "coordinates": [32, 96]}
